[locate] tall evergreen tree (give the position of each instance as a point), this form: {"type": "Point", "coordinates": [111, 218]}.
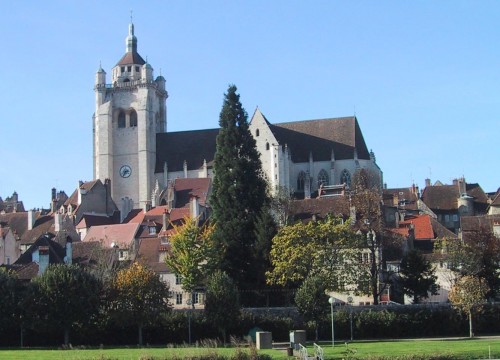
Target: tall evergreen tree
{"type": "Point", "coordinates": [239, 191]}
{"type": "Point", "coordinates": [417, 276]}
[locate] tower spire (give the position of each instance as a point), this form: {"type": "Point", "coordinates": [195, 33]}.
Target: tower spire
{"type": "Point", "coordinates": [131, 40]}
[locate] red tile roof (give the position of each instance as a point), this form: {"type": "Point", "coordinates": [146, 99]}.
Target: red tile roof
{"type": "Point", "coordinates": [186, 188]}
{"type": "Point", "coordinates": [121, 235]}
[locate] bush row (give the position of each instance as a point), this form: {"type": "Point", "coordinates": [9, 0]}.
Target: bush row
{"type": "Point", "coordinates": [172, 328]}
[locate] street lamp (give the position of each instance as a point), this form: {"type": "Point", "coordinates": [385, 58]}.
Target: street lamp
{"type": "Point", "coordinates": [331, 300]}
{"type": "Point", "coordinates": [189, 302]}
{"type": "Point", "coordinates": [350, 300]}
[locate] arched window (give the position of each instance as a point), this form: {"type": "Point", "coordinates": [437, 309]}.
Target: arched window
{"type": "Point", "coordinates": [257, 133]}
{"type": "Point", "coordinates": [267, 146]}
{"type": "Point", "coordinates": [133, 118]}
{"type": "Point", "coordinates": [322, 178]}
{"type": "Point", "coordinates": [345, 178]}
{"type": "Point", "coordinates": [300, 181]}
{"type": "Point", "coordinates": [121, 119]}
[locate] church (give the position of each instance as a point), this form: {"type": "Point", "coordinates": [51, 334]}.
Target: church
{"type": "Point", "coordinates": [133, 149]}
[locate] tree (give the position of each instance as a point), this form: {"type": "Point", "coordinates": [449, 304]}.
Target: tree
{"type": "Point", "coordinates": [477, 255]}
{"type": "Point", "coordinates": [417, 276]}
{"type": "Point", "coordinates": [189, 256]}
{"type": "Point", "coordinates": [140, 297]}
{"type": "Point", "coordinates": [239, 191]}
{"type": "Point", "coordinates": [328, 248]}
{"type": "Point", "coordinates": [67, 295]}
{"type": "Point", "coordinates": [468, 294]}
{"type": "Point", "coordinates": [366, 198]}
{"type": "Point", "coordinates": [222, 302]}
{"type": "Point", "coordinates": [265, 230]}
{"type": "Point", "coordinates": [8, 298]}
{"type": "Point", "coordinates": [311, 301]}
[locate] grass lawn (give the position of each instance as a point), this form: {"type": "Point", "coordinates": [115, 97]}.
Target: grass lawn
{"type": "Point", "coordinates": [457, 349]}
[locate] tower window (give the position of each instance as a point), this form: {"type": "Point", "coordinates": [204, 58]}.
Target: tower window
{"type": "Point", "coordinates": [122, 69]}
{"type": "Point", "coordinates": [137, 69]}
{"type": "Point", "coordinates": [267, 146]}
{"type": "Point", "coordinates": [257, 132]}
{"type": "Point", "coordinates": [133, 118]}
{"type": "Point", "coordinates": [121, 119]}
{"type": "Point", "coordinates": [129, 68]}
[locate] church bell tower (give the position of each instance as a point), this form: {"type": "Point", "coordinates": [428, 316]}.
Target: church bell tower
{"type": "Point", "coordinates": [129, 112]}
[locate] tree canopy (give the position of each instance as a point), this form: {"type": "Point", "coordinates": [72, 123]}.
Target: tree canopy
{"type": "Point", "coordinates": [328, 248]}
{"type": "Point", "coordinates": [190, 254]}
{"type": "Point", "coordinates": [417, 276]}
{"type": "Point", "coordinates": [139, 296]}
{"type": "Point", "coordinates": [66, 295]}
{"type": "Point", "coordinates": [239, 190]}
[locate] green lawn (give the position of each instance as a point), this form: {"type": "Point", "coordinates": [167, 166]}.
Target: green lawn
{"type": "Point", "coordinates": [456, 349]}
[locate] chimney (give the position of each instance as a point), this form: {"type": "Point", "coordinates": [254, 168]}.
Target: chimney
{"type": "Point", "coordinates": [53, 196]}
{"type": "Point", "coordinates": [81, 192]}
{"type": "Point", "coordinates": [43, 259]}
{"type": "Point", "coordinates": [57, 222]}
{"type": "Point", "coordinates": [165, 220]}
{"type": "Point", "coordinates": [69, 251]}
{"type": "Point", "coordinates": [31, 219]}
{"type": "Point", "coordinates": [461, 186]}
{"type": "Point", "coordinates": [427, 182]}
{"type": "Point", "coordinates": [194, 207]}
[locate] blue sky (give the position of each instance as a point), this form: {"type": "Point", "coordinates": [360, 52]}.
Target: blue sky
{"type": "Point", "coordinates": [422, 78]}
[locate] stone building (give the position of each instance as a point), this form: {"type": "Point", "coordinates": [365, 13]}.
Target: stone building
{"type": "Point", "coordinates": [133, 149]}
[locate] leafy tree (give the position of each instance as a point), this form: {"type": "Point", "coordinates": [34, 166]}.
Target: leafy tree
{"type": "Point", "coordinates": [67, 295]}
{"type": "Point", "coordinates": [468, 294]}
{"type": "Point", "coordinates": [477, 255]}
{"type": "Point", "coordinates": [328, 248]}
{"type": "Point", "coordinates": [417, 276]}
{"type": "Point", "coordinates": [8, 298]}
{"type": "Point", "coordinates": [222, 302]}
{"type": "Point", "coordinates": [140, 297]}
{"type": "Point", "coordinates": [311, 301]}
{"type": "Point", "coordinates": [366, 198]}
{"type": "Point", "coordinates": [239, 191]}
{"type": "Point", "coordinates": [190, 252]}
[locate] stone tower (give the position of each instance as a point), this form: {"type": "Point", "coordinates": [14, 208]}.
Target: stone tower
{"type": "Point", "coordinates": [129, 113]}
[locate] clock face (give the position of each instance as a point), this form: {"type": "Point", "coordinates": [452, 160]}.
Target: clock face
{"type": "Point", "coordinates": [125, 171]}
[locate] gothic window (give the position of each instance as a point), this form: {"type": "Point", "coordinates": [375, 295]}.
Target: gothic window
{"type": "Point", "coordinates": [257, 133]}
{"type": "Point", "coordinates": [345, 178]}
{"type": "Point", "coordinates": [121, 119]}
{"type": "Point", "coordinates": [133, 118]}
{"type": "Point", "coordinates": [300, 181]}
{"type": "Point", "coordinates": [322, 178]}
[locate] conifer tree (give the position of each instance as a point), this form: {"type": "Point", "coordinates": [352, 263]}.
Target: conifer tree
{"type": "Point", "coordinates": [239, 191]}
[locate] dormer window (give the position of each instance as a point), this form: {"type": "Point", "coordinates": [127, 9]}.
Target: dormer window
{"type": "Point", "coordinates": [152, 230]}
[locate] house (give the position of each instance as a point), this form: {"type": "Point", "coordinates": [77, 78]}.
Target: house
{"type": "Point", "coordinates": [122, 237]}
{"type": "Point", "coordinates": [449, 202]}
{"type": "Point", "coordinates": [11, 204]}
{"type": "Point", "coordinates": [494, 203]}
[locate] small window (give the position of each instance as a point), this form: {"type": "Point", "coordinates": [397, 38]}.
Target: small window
{"type": "Point", "coordinates": [196, 298]}
{"type": "Point", "coordinates": [152, 230]}
{"type": "Point", "coordinates": [178, 280]}
{"type": "Point", "coordinates": [446, 218]}
{"type": "Point", "coordinates": [178, 299]}
{"type": "Point", "coordinates": [455, 217]}
{"type": "Point", "coordinates": [137, 69]}
{"type": "Point", "coordinates": [121, 119]}
{"type": "Point", "coordinates": [133, 118]}
{"type": "Point", "coordinates": [267, 146]}
{"type": "Point", "coordinates": [122, 69]}
{"type": "Point", "coordinates": [257, 132]}
{"type": "Point", "coordinates": [129, 68]}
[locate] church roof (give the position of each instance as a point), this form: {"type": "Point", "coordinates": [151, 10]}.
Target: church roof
{"type": "Point", "coordinates": [191, 146]}
{"type": "Point", "coordinates": [320, 137]}
{"type": "Point", "coordinates": [131, 58]}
